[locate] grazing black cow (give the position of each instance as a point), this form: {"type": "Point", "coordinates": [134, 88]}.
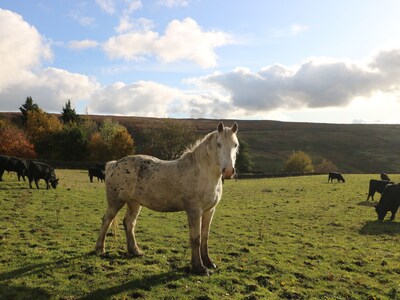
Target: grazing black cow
{"type": "Point", "coordinates": [96, 172]}
{"type": "Point", "coordinates": [377, 186]}
{"type": "Point", "coordinates": [38, 170]}
{"type": "Point", "coordinates": [13, 164]}
{"type": "Point", "coordinates": [335, 175]}
{"type": "Point", "coordinates": [389, 201]}
{"type": "Point", "coordinates": [384, 176]}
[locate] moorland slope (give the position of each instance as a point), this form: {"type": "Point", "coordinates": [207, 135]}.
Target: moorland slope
{"type": "Point", "coordinates": [353, 148]}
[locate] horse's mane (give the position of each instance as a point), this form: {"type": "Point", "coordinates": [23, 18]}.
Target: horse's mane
{"type": "Point", "coordinates": [191, 149]}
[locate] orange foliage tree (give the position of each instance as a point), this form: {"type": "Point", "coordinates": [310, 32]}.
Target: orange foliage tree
{"type": "Point", "coordinates": [14, 141]}
{"type": "Point", "coordinates": [40, 125]}
{"type": "Point", "coordinates": [112, 141]}
{"type": "Point", "coordinates": [41, 128]}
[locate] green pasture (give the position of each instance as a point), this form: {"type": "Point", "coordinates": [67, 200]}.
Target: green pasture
{"type": "Point", "coordinates": [281, 238]}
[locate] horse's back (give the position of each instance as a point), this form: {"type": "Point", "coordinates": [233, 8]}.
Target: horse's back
{"type": "Point", "coordinates": [151, 182]}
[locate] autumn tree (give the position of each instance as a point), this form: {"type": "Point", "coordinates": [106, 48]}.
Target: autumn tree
{"type": "Point", "coordinates": [300, 162]}
{"type": "Point", "coordinates": [169, 140]}
{"type": "Point", "coordinates": [40, 128]}
{"type": "Point", "coordinates": [68, 114]}
{"type": "Point", "coordinates": [27, 107]}
{"type": "Point", "coordinates": [326, 166]}
{"type": "Point", "coordinates": [112, 141]}
{"type": "Point", "coordinates": [14, 141]}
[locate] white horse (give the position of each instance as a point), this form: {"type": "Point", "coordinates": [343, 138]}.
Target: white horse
{"type": "Point", "coordinates": [191, 183]}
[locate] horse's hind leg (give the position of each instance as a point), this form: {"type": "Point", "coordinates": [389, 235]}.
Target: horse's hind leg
{"type": "Point", "coordinates": [205, 231]}
{"type": "Point", "coordinates": [107, 219]}
{"type": "Point", "coordinates": [132, 212]}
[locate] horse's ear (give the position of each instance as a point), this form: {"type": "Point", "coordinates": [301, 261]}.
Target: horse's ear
{"type": "Point", "coordinates": [220, 127]}
{"type": "Point", "coordinates": [235, 127]}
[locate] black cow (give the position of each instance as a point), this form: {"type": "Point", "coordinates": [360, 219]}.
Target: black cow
{"type": "Point", "coordinates": [384, 176]}
{"type": "Point", "coordinates": [38, 170]}
{"type": "Point", "coordinates": [335, 175]}
{"type": "Point", "coordinates": [101, 166]}
{"type": "Point", "coordinates": [389, 201]}
{"type": "Point", "coordinates": [377, 186]}
{"type": "Point", "coordinates": [13, 164]}
{"type": "Point", "coordinates": [96, 172]}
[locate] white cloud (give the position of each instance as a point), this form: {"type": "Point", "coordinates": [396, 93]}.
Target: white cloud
{"type": "Point", "coordinates": [315, 83]}
{"type": "Point", "coordinates": [143, 98]}
{"type": "Point", "coordinates": [298, 28]}
{"type": "Point", "coordinates": [132, 5]}
{"type": "Point", "coordinates": [128, 24]}
{"type": "Point", "coordinates": [21, 48]}
{"type": "Point", "coordinates": [173, 3]}
{"type": "Point", "coordinates": [291, 31]}
{"type": "Point", "coordinates": [84, 44]}
{"type": "Point", "coordinates": [107, 6]}
{"type": "Point", "coordinates": [83, 20]}
{"type": "Point", "coordinates": [183, 40]}
{"type": "Point", "coordinates": [50, 88]}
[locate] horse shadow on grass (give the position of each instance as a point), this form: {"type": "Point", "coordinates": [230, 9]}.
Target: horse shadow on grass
{"type": "Point", "coordinates": [377, 227]}
{"type": "Point", "coordinates": [9, 291]}
{"type": "Point", "coordinates": [137, 287]}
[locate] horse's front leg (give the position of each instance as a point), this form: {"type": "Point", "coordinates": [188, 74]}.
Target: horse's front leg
{"type": "Point", "coordinates": [194, 219]}
{"type": "Point", "coordinates": [205, 231]}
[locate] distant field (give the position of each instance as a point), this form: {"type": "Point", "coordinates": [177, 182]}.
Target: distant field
{"type": "Point", "coordinates": [280, 238]}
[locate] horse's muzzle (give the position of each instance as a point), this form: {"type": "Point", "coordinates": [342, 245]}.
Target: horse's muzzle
{"type": "Point", "coordinates": [228, 173]}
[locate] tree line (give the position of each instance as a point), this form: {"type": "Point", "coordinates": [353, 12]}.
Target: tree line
{"type": "Point", "coordinates": [72, 137]}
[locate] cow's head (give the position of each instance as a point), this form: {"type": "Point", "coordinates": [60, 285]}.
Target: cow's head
{"type": "Point", "coordinates": [54, 182]}
{"type": "Point", "coordinates": [381, 212]}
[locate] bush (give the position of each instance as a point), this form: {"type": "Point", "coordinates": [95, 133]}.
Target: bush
{"type": "Point", "coordinates": [299, 161]}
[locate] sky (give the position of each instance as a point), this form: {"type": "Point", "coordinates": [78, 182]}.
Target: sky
{"type": "Point", "coordinates": [288, 60]}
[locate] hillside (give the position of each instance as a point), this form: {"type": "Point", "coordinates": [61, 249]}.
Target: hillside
{"type": "Point", "coordinates": [354, 148]}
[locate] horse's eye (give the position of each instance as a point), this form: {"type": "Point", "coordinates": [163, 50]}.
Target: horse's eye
{"type": "Point", "coordinates": [219, 145]}
{"type": "Point", "coordinates": [236, 145]}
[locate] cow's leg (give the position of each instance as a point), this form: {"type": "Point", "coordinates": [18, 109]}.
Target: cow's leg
{"type": "Point", "coordinates": [205, 231]}
{"type": "Point", "coordinates": [108, 217]}
{"type": "Point", "coordinates": [194, 219]}
{"type": "Point", "coordinates": [393, 211]}
{"type": "Point", "coordinates": [91, 178]}
{"type": "Point", "coordinates": [132, 212]}
{"type": "Point", "coordinates": [36, 182]}
{"type": "Point", "coordinates": [1, 174]}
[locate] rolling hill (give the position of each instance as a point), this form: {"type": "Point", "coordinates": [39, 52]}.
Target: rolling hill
{"type": "Point", "coordinates": [354, 148]}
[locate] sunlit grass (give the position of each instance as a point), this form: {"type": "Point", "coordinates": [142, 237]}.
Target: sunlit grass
{"type": "Point", "coordinates": [281, 238]}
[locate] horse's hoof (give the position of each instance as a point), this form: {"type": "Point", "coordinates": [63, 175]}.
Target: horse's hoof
{"type": "Point", "coordinates": [100, 251]}
{"type": "Point", "coordinates": [202, 271]}
{"type": "Point", "coordinates": [207, 262]}
{"type": "Point", "coordinates": [135, 253]}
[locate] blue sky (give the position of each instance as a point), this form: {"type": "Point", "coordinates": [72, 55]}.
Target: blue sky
{"type": "Point", "coordinates": [310, 61]}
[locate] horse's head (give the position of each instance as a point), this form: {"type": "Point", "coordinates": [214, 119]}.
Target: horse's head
{"type": "Point", "coordinates": [227, 147]}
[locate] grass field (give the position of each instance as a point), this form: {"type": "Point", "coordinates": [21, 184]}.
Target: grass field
{"type": "Point", "coordinates": [281, 238]}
